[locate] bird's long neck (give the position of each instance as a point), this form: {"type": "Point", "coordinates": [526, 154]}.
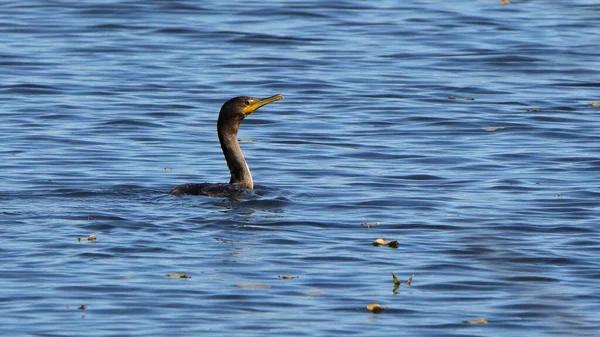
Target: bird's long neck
{"type": "Point", "coordinates": [240, 173]}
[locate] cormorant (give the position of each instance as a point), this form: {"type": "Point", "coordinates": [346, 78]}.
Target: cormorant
{"type": "Point", "coordinates": [231, 115]}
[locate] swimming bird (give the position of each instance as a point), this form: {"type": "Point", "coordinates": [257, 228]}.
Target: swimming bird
{"type": "Point", "coordinates": [231, 115]}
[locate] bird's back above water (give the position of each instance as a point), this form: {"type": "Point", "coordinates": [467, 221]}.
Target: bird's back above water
{"type": "Point", "coordinates": [210, 189]}
{"type": "Point", "coordinates": [230, 117]}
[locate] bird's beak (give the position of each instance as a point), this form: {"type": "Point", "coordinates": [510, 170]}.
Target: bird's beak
{"type": "Point", "coordinates": [259, 102]}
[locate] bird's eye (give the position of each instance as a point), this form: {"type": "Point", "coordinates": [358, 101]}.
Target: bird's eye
{"type": "Point", "coordinates": [248, 102]}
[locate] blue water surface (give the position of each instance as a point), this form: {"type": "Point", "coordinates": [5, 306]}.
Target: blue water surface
{"type": "Point", "coordinates": [465, 130]}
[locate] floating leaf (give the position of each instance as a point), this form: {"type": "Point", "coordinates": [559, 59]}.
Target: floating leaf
{"type": "Point", "coordinates": [369, 225]}
{"type": "Point", "coordinates": [409, 281]}
{"type": "Point", "coordinates": [89, 238]}
{"type": "Point", "coordinates": [594, 104]}
{"type": "Point", "coordinates": [477, 321]}
{"type": "Point", "coordinates": [314, 292]}
{"type": "Point", "coordinates": [253, 286]}
{"type": "Point", "coordinates": [375, 308]}
{"type": "Point", "coordinates": [493, 128]}
{"type": "Point", "coordinates": [393, 244]}
{"type": "Point", "coordinates": [286, 277]}
{"type": "Point", "coordinates": [504, 2]}
{"type": "Point", "coordinates": [178, 275]}
{"type": "Point", "coordinates": [461, 98]}
{"type": "Point", "coordinates": [82, 307]}
{"type": "Point", "coordinates": [396, 284]}
{"type": "Point", "coordinates": [382, 242]}
{"type": "Point", "coordinates": [533, 110]}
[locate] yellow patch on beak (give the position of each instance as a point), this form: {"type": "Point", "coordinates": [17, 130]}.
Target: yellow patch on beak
{"type": "Point", "coordinates": [256, 103]}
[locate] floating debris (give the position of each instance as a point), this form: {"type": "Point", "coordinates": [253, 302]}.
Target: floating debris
{"type": "Point", "coordinates": [369, 225]}
{"type": "Point", "coordinates": [396, 284]}
{"type": "Point", "coordinates": [82, 307]}
{"type": "Point", "coordinates": [375, 308]}
{"type": "Point", "coordinates": [594, 104]}
{"type": "Point", "coordinates": [461, 98]}
{"type": "Point", "coordinates": [382, 242]}
{"type": "Point", "coordinates": [253, 286]}
{"type": "Point", "coordinates": [477, 321]}
{"type": "Point", "coordinates": [493, 128]}
{"type": "Point", "coordinates": [286, 277]}
{"type": "Point", "coordinates": [533, 110]}
{"type": "Point", "coordinates": [89, 238]}
{"type": "Point", "coordinates": [504, 2]}
{"type": "Point", "coordinates": [314, 293]}
{"type": "Point", "coordinates": [178, 275]}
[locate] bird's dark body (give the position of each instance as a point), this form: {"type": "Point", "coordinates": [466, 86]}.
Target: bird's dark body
{"type": "Point", "coordinates": [211, 189]}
